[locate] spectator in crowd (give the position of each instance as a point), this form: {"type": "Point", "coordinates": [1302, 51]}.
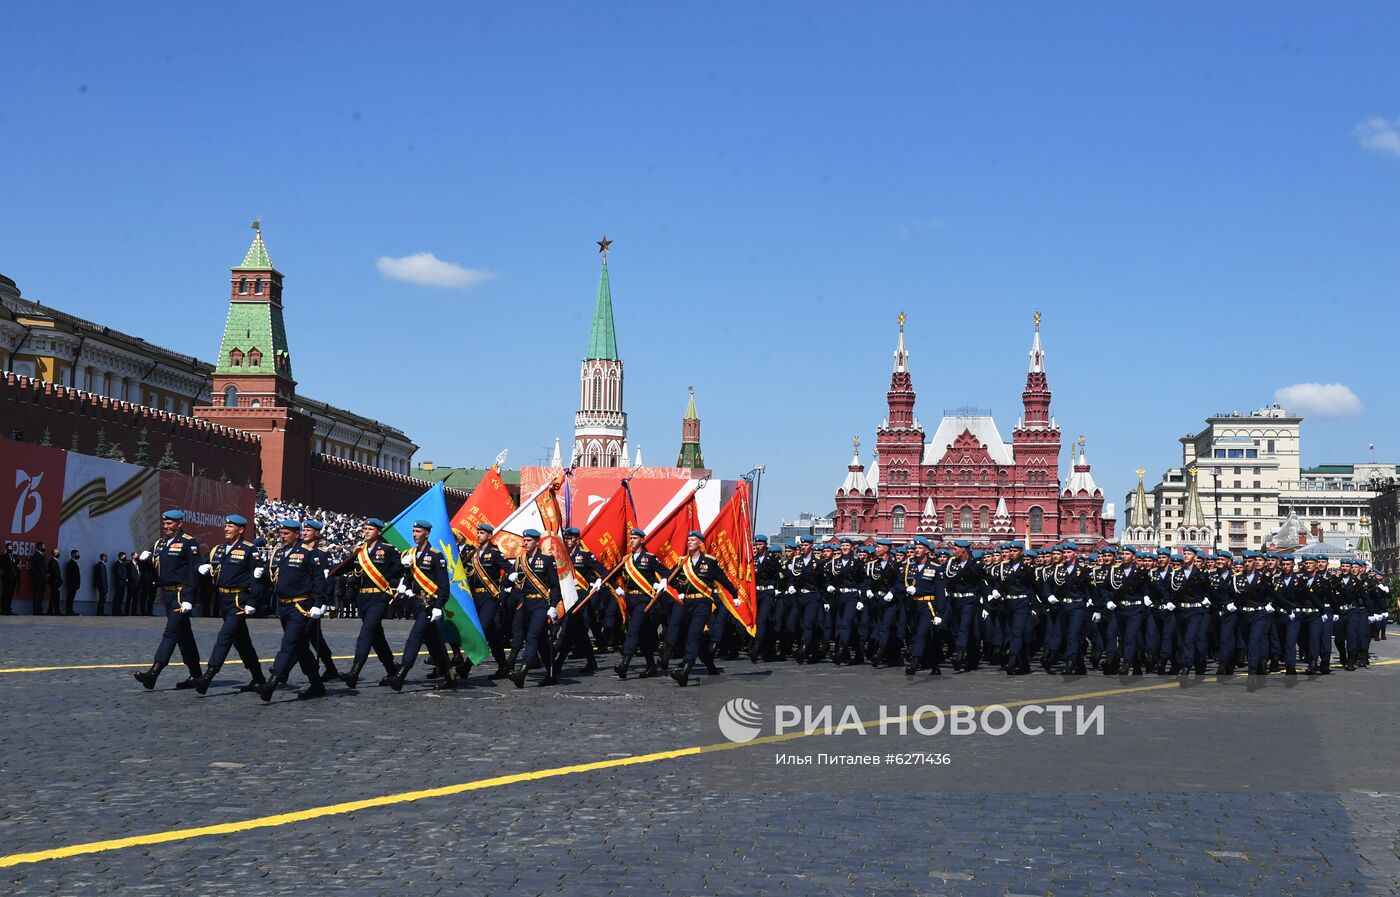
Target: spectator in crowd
{"type": "Point", "coordinates": [38, 577]}
{"type": "Point", "coordinates": [9, 579]}
{"type": "Point", "coordinates": [99, 583]}
{"type": "Point", "coordinates": [72, 578]}
{"type": "Point", "coordinates": [120, 575]}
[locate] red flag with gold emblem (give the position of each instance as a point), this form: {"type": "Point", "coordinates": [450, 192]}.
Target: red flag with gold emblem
{"type": "Point", "coordinates": [489, 503]}
{"type": "Point", "coordinates": [729, 540]}
{"type": "Point", "coordinates": [605, 534]}
{"type": "Point", "coordinates": [667, 538]}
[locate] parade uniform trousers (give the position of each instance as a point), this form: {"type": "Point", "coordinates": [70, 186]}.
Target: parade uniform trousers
{"type": "Point", "coordinates": [1131, 615]}
{"type": "Point", "coordinates": [1303, 624]}
{"type": "Point", "coordinates": [234, 633]}
{"type": "Point", "coordinates": [178, 632]}
{"type": "Point", "coordinates": [967, 615]}
{"type": "Point", "coordinates": [1194, 621]}
{"type": "Point", "coordinates": [689, 619]}
{"type": "Point", "coordinates": [852, 624]}
{"type": "Point", "coordinates": [424, 631]}
{"type": "Point", "coordinates": [766, 618]}
{"type": "Point", "coordinates": [488, 611]}
{"type": "Point", "coordinates": [373, 605]}
{"type": "Point", "coordinates": [924, 608]}
{"type": "Point", "coordinates": [530, 636]}
{"type": "Point", "coordinates": [297, 633]}
{"type": "Point", "coordinates": [1257, 623]}
{"type": "Point", "coordinates": [809, 610]}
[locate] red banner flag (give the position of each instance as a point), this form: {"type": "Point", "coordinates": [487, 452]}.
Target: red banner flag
{"type": "Point", "coordinates": [489, 503]}
{"type": "Point", "coordinates": [605, 534]}
{"type": "Point", "coordinates": [730, 541]}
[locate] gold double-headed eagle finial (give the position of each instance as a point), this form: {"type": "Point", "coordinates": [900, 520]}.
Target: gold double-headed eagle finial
{"type": "Point", "coordinates": [1140, 473]}
{"type": "Point", "coordinates": [1037, 322]}
{"type": "Point", "coordinates": [902, 318]}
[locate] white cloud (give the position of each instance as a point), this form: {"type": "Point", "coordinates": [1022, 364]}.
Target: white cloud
{"type": "Point", "coordinates": [427, 270]}
{"type": "Point", "coordinates": [1319, 400]}
{"type": "Point", "coordinates": [1379, 135]}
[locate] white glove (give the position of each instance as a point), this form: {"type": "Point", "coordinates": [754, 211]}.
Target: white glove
{"type": "Point", "coordinates": [1293, 615]}
{"type": "Point", "coordinates": [186, 607]}
{"type": "Point", "coordinates": [1169, 606]}
{"type": "Point", "coordinates": [553, 614]}
{"type": "Point", "coordinates": [514, 577]}
{"type": "Point", "coordinates": [596, 586]}
{"type": "Point", "coordinates": [738, 602]}
{"type": "Point", "coordinates": [402, 589]}
{"type": "Point", "coordinates": [622, 590]}
{"type": "Point", "coordinates": [327, 571]}
{"type": "Point", "coordinates": [1230, 607]}
{"type": "Point", "coordinates": [1146, 601]}
{"type": "Point", "coordinates": [938, 621]}
{"type": "Point", "coordinates": [826, 607]}
{"type": "Point", "coordinates": [1110, 605]}
{"type": "Point", "coordinates": [661, 584]}
{"type": "Point", "coordinates": [985, 615]}
{"type": "Point", "coordinates": [995, 595]}
{"type": "Point", "coordinates": [1054, 599]}
{"type": "Point", "coordinates": [909, 589]}
{"type": "Point", "coordinates": [437, 614]}
{"type": "Point", "coordinates": [317, 613]}
{"type": "Point", "coordinates": [1269, 607]}
{"type": "Point", "coordinates": [249, 609]}
{"type": "Point", "coordinates": [792, 590]}
{"type": "Point", "coordinates": [869, 594]}
{"type": "Point", "coordinates": [258, 572]}
{"type": "Point", "coordinates": [1097, 616]}
{"type": "Point", "coordinates": [831, 589]}
{"type": "Point", "coordinates": [860, 605]}
{"type": "Point", "coordinates": [889, 596]}
{"type": "Point", "coordinates": [204, 569]}
{"type": "Point", "coordinates": [145, 555]}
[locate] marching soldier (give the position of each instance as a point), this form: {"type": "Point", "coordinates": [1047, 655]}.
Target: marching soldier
{"type": "Point", "coordinates": [881, 581]}
{"type": "Point", "coordinates": [922, 589]}
{"type": "Point", "coordinates": [1069, 593]}
{"type": "Point", "coordinates": [962, 582]}
{"type": "Point", "coordinates": [311, 537]}
{"type": "Point", "coordinates": [535, 586]}
{"type": "Point", "coordinates": [379, 572]}
{"type": "Point", "coordinates": [805, 581]}
{"type": "Point", "coordinates": [299, 587]}
{"type": "Point", "coordinates": [427, 582]}
{"type": "Point", "coordinates": [643, 583]}
{"type": "Point", "coordinates": [767, 568]}
{"type": "Point", "coordinates": [697, 577]}
{"type": "Point", "coordinates": [1190, 588]}
{"type": "Point", "coordinates": [176, 559]}
{"type": "Point", "coordinates": [486, 569]}
{"type": "Point", "coordinates": [232, 565]}
{"type": "Point", "coordinates": [589, 575]}
{"type": "Point", "coordinates": [847, 575]}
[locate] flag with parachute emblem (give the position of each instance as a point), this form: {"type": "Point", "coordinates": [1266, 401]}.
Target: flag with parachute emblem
{"type": "Point", "coordinates": [459, 610]}
{"type": "Point", "coordinates": [729, 540]}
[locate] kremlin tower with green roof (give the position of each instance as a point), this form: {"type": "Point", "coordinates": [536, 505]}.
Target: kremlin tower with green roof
{"type": "Point", "coordinates": [600, 425]}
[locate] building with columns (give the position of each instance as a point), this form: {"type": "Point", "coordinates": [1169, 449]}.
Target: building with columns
{"type": "Point", "coordinates": [966, 482]}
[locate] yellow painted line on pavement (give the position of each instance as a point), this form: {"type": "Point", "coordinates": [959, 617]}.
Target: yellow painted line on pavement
{"type": "Point", "coordinates": [119, 666]}
{"type": "Point", "coordinates": [387, 800]}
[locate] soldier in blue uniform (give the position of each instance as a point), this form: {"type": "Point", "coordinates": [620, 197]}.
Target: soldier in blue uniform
{"type": "Point", "coordinates": [300, 588]}
{"type": "Point", "coordinates": [962, 583]}
{"type": "Point", "coordinates": [426, 584]}
{"type": "Point", "coordinates": [697, 579]}
{"type": "Point", "coordinates": [588, 576]}
{"type": "Point", "coordinates": [882, 579]}
{"type": "Point", "coordinates": [925, 611]}
{"type": "Point", "coordinates": [232, 565]}
{"type": "Point", "coordinates": [176, 557]}
{"type": "Point", "coordinates": [534, 583]}
{"type": "Point", "coordinates": [486, 570]}
{"type": "Point", "coordinates": [311, 538]}
{"type": "Point", "coordinates": [641, 580]}
{"type": "Point", "coordinates": [1069, 594]}
{"type": "Point", "coordinates": [806, 583]}
{"type": "Point", "coordinates": [378, 572]}
{"type": "Point", "coordinates": [1015, 581]}
{"type": "Point", "coordinates": [844, 588]}
{"type": "Point", "coordinates": [1191, 589]}
{"type": "Point", "coordinates": [1295, 606]}
{"type": "Point", "coordinates": [768, 571]}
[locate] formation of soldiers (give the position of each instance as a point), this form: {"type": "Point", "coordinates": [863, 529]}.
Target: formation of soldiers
{"type": "Point", "coordinates": [1116, 609]}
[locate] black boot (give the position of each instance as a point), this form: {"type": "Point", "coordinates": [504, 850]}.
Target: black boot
{"type": "Point", "coordinates": [192, 681]}
{"type": "Point", "coordinates": [911, 667]}
{"type": "Point", "coordinates": [710, 666]}
{"type": "Point", "coordinates": [202, 684]}
{"type": "Point", "coordinates": [352, 678]}
{"type": "Point", "coordinates": [396, 681]}
{"type": "Point", "coordinates": [149, 677]}
{"type": "Point", "coordinates": [1324, 666]}
{"type": "Point", "coordinates": [389, 673]}
{"type": "Point", "coordinates": [517, 676]}
{"type": "Point", "coordinates": [682, 675]}
{"type": "Point", "coordinates": [590, 667]}
{"type": "Point", "coordinates": [256, 682]}
{"type": "Point", "coordinates": [620, 668]}
{"type": "Point", "coordinates": [330, 672]}
{"type": "Point", "coordinates": [314, 690]}
{"type": "Point", "coordinates": [650, 670]}
{"type": "Point", "coordinates": [449, 680]}
{"type": "Point", "coordinates": [266, 689]}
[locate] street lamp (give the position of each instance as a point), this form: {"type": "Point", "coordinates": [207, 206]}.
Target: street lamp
{"type": "Point", "coordinates": [1215, 475]}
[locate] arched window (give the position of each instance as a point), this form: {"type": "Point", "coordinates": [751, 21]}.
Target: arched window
{"type": "Point", "coordinates": [965, 519]}
{"type": "Point", "coordinates": [986, 516]}
{"type": "Point", "coordinates": [254, 358]}
{"type": "Point", "coordinates": [1083, 523]}
{"type": "Point", "coordinates": [231, 397]}
{"type": "Point", "coordinates": [965, 477]}
{"type": "Point", "coordinates": [1037, 519]}
{"type": "Point", "coordinates": [257, 286]}
{"type": "Point", "coordinates": [948, 518]}
{"type": "Point", "coordinates": [1002, 474]}
{"type": "Point", "coordinates": [243, 286]}
{"type": "Point", "coordinates": [930, 478]}
{"type": "Point", "coordinates": [948, 476]}
{"type": "Point", "coordinates": [897, 518]}
{"type": "Point", "coordinates": [597, 393]}
{"type": "Point", "coordinates": [235, 358]}
{"type": "Point", "coordinates": [984, 477]}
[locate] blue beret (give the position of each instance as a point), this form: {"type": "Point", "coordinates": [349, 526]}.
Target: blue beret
{"type": "Point", "coordinates": [884, 542]}
{"type": "Point", "coordinates": [695, 534]}
{"type": "Point", "coordinates": [1069, 546]}
{"type": "Point", "coordinates": [259, 542]}
{"type": "Point", "coordinates": [531, 533]}
{"type": "Point", "coordinates": [640, 532]}
{"type": "Point", "coordinates": [236, 520]}
{"type": "Point", "coordinates": [423, 524]}
{"type": "Point", "coordinates": [1177, 557]}
{"type": "Point", "coordinates": [920, 540]}
{"type": "Point", "coordinates": [486, 528]}
{"type": "Point", "coordinates": [1190, 548]}
{"type": "Point", "coordinates": [1014, 544]}
{"type": "Point", "coordinates": [977, 554]}
{"type": "Point", "coordinates": [571, 531]}
{"type": "Point", "coordinates": [962, 543]}
{"type": "Point", "coordinates": [943, 551]}
{"type": "Point", "coordinates": [760, 537]}
{"type": "Point", "coordinates": [374, 522]}
{"type": "Point", "coordinates": [173, 515]}
{"type": "Point", "coordinates": [1249, 553]}
{"type": "Point", "coordinates": [1164, 552]}
{"type": "Point", "coordinates": [1285, 557]}
{"type": "Point", "coordinates": [866, 549]}
{"type": "Point", "coordinates": [289, 523]}
{"type": "Point", "coordinates": [846, 540]}
{"type": "Point", "coordinates": [311, 523]}
{"type": "Point", "coordinates": [1225, 553]}
{"type": "Point", "coordinates": [806, 539]}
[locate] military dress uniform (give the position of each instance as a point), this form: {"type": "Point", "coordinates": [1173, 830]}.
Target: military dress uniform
{"type": "Point", "coordinates": [575, 634]}
{"type": "Point", "coordinates": [1125, 599]}
{"type": "Point", "coordinates": [768, 574]}
{"type": "Point", "coordinates": [486, 570]}
{"type": "Point", "coordinates": [1069, 594]}
{"type": "Point", "coordinates": [1190, 590]}
{"type": "Point", "coordinates": [847, 576]}
{"type": "Point", "coordinates": [1016, 582]}
{"type": "Point", "coordinates": [640, 580]}
{"type": "Point", "coordinates": [697, 579]}
{"type": "Point", "coordinates": [378, 571]}
{"type": "Point", "coordinates": [535, 589]}
{"type": "Point", "coordinates": [926, 615]}
{"type": "Point", "coordinates": [176, 560]}
{"type": "Point", "coordinates": [232, 566]}
{"type": "Point", "coordinates": [963, 583]}
{"type": "Point", "coordinates": [882, 578]}
{"type": "Point", "coordinates": [427, 585]}
{"type": "Point", "coordinates": [806, 582]}
{"type": "Point", "coordinates": [299, 588]}
{"type": "Point", "coordinates": [1295, 605]}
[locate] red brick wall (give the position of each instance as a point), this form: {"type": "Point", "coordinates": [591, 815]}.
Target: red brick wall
{"type": "Point", "coordinates": [350, 488]}
{"type": "Point", "coordinates": [36, 405]}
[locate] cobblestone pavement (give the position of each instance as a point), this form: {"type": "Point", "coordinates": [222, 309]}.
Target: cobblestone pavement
{"type": "Point", "coordinates": [90, 756]}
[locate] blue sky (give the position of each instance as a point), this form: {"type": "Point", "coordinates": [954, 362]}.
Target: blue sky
{"type": "Point", "coordinates": [1201, 198]}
